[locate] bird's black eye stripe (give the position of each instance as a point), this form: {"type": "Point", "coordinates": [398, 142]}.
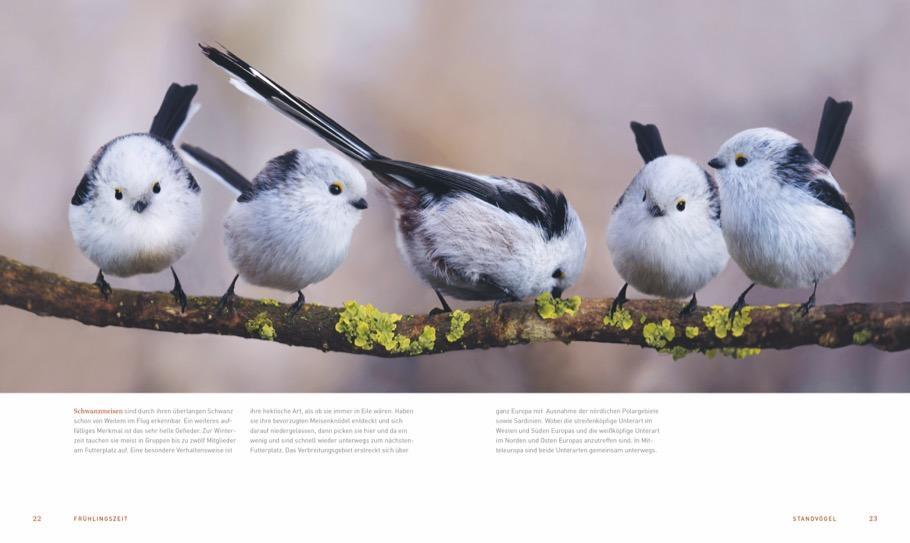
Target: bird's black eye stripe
{"type": "Point", "coordinates": [741, 161]}
{"type": "Point", "coordinates": [644, 196]}
{"type": "Point", "coordinates": [558, 274]}
{"type": "Point", "coordinates": [118, 194]}
{"type": "Point", "coordinates": [156, 188]}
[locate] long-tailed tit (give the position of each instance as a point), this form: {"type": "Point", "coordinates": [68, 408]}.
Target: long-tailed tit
{"type": "Point", "coordinates": [786, 220]}
{"type": "Point", "coordinates": [292, 225]}
{"type": "Point", "coordinates": [664, 234]}
{"type": "Point", "coordinates": [474, 237]}
{"type": "Point", "coordinates": [137, 209]}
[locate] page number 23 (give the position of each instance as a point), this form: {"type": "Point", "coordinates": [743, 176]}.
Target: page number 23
{"type": "Point", "coordinates": [873, 518]}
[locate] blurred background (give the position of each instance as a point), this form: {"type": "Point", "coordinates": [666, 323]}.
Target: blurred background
{"type": "Point", "coordinates": [538, 90]}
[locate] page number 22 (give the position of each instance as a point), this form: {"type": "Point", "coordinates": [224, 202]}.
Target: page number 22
{"type": "Point", "coordinates": [36, 518]}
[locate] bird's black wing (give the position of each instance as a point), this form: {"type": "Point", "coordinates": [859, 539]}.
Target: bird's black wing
{"type": "Point", "coordinates": [828, 194]}
{"type": "Point", "coordinates": [647, 138]}
{"type": "Point", "coordinates": [82, 191]}
{"type": "Point", "coordinates": [173, 111]}
{"type": "Point", "coordinates": [547, 209]}
{"type": "Point", "coordinates": [803, 171]}
{"type": "Point", "coordinates": [831, 130]}
{"type": "Point", "coordinates": [220, 170]}
{"type": "Point", "coordinates": [713, 196]}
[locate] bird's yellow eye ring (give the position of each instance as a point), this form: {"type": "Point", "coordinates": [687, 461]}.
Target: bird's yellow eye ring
{"type": "Point", "coordinates": [118, 194]}
{"type": "Point", "coordinates": [156, 187]}
{"type": "Point", "coordinates": [559, 274]}
{"type": "Point", "coordinates": [680, 204]}
{"type": "Point", "coordinates": [336, 188]}
{"type": "Point", "coordinates": [741, 160]}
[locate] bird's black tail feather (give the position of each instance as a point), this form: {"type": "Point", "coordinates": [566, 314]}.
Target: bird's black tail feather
{"type": "Point", "coordinates": [831, 130]}
{"type": "Point", "coordinates": [282, 100]}
{"type": "Point", "coordinates": [174, 110]}
{"type": "Point", "coordinates": [219, 169]}
{"type": "Point", "coordinates": [647, 137]}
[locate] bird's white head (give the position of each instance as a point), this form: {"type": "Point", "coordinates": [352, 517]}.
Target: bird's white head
{"type": "Point", "coordinates": [752, 156]}
{"type": "Point", "coordinates": [139, 179]}
{"type": "Point", "coordinates": [673, 191]}
{"type": "Point", "coordinates": [319, 182]}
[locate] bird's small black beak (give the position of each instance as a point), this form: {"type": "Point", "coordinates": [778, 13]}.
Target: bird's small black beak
{"type": "Point", "coordinates": [140, 206]}
{"type": "Point", "coordinates": [360, 204]}
{"type": "Point", "coordinates": [656, 211]}
{"type": "Point", "coordinates": [556, 292]}
{"type": "Point", "coordinates": [717, 163]}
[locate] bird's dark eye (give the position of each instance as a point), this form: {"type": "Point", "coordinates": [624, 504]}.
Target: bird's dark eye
{"type": "Point", "coordinates": [558, 274]}
{"type": "Point", "coordinates": [680, 204]}
{"type": "Point", "coordinates": [741, 160]}
{"type": "Point", "coordinates": [156, 188]}
{"type": "Point", "coordinates": [335, 188]}
{"type": "Point", "coordinates": [118, 194]}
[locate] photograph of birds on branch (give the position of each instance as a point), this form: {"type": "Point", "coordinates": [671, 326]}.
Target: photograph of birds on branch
{"type": "Point", "coordinates": [537, 263]}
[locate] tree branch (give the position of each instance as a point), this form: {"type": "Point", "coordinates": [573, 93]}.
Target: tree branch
{"type": "Point", "coordinates": [885, 326]}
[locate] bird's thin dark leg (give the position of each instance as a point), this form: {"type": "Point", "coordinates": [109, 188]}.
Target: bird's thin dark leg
{"type": "Point", "coordinates": [690, 307]}
{"type": "Point", "coordinates": [445, 305]}
{"type": "Point", "coordinates": [740, 303]}
{"type": "Point", "coordinates": [295, 307]}
{"type": "Point", "coordinates": [178, 293]}
{"type": "Point", "coordinates": [810, 303]}
{"type": "Point", "coordinates": [103, 285]}
{"type": "Point", "coordinates": [228, 298]}
{"type": "Point", "coordinates": [620, 300]}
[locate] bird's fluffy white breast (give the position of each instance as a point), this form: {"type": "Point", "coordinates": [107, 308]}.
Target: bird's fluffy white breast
{"type": "Point", "coordinates": [781, 236]}
{"type": "Point", "coordinates": [279, 241]}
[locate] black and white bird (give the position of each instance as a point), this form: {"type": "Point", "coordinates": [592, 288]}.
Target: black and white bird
{"type": "Point", "coordinates": [138, 209]}
{"type": "Point", "coordinates": [664, 234]}
{"type": "Point", "coordinates": [292, 225]}
{"type": "Point", "coordinates": [474, 237]}
{"type": "Point", "coordinates": [786, 220]}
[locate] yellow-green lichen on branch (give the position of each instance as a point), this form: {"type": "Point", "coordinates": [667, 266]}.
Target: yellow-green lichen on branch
{"type": "Point", "coordinates": [549, 307]}
{"type": "Point", "coordinates": [426, 340]}
{"type": "Point", "coordinates": [269, 301]}
{"type": "Point", "coordinates": [677, 352]}
{"type": "Point", "coordinates": [456, 325]}
{"type": "Point", "coordinates": [861, 337]}
{"type": "Point", "coordinates": [691, 332]}
{"type": "Point", "coordinates": [741, 352]}
{"type": "Point", "coordinates": [621, 318]}
{"type": "Point", "coordinates": [658, 335]}
{"type": "Point", "coordinates": [261, 325]}
{"type": "Point", "coordinates": [364, 326]}
{"type": "Point", "coordinates": [719, 321]}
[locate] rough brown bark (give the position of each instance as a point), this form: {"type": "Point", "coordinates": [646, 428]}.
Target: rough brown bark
{"type": "Point", "coordinates": [885, 326]}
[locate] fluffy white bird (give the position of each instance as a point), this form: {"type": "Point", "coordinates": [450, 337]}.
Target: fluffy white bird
{"type": "Point", "coordinates": [474, 237]}
{"type": "Point", "coordinates": [137, 209]}
{"type": "Point", "coordinates": [786, 221]}
{"type": "Point", "coordinates": [292, 225]}
{"type": "Point", "coordinates": [664, 234]}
